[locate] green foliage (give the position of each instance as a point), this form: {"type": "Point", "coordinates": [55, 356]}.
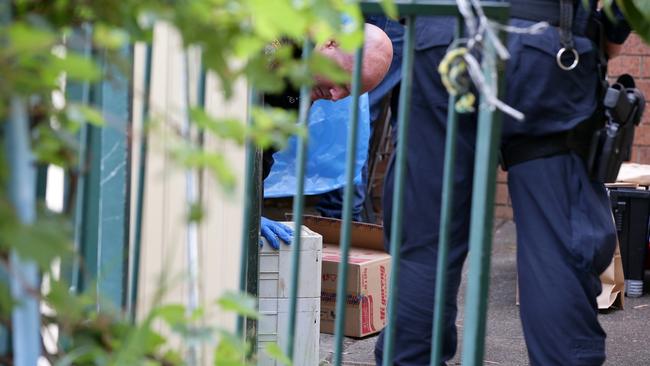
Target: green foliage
{"type": "Point", "coordinates": [42, 52]}
{"type": "Point", "coordinates": [637, 13]}
{"type": "Point", "coordinates": [239, 303]}
{"type": "Point", "coordinates": [276, 353]}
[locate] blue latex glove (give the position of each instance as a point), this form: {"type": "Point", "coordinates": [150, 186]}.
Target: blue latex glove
{"type": "Point", "coordinates": [273, 232]}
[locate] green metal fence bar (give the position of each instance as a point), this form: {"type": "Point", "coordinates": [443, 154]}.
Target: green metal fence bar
{"type": "Point", "coordinates": [298, 206]}
{"type": "Point", "coordinates": [252, 264]}
{"type": "Point", "coordinates": [400, 172]}
{"type": "Point", "coordinates": [480, 240]}
{"type": "Point", "coordinates": [492, 9]}
{"type": "Point", "coordinates": [41, 182]}
{"type": "Point", "coordinates": [252, 186]}
{"type": "Point", "coordinates": [24, 279]}
{"type": "Point", "coordinates": [80, 93]}
{"type": "Point", "coordinates": [346, 230]}
{"type": "Point", "coordinates": [104, 248]}
{"type": "Point", "coordinates": [112, 248]}
{"type": "Point", "coordinates": [446, 215]}
{"type": "Point", "coordinates": [136, 248]}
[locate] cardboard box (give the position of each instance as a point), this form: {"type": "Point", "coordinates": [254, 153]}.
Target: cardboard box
{"type": "Point", "coordinates": [368, 271]}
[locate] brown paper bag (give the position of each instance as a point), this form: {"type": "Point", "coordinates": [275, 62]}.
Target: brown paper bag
{"type": "Point", "coordinates": [613, 283]}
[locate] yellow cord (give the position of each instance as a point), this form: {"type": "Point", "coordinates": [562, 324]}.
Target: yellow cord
{"type": "Point", "coordinates": [453, 69]}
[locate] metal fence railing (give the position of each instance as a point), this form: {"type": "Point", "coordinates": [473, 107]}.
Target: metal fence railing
{"type": "Point", "coordinates": [102, 217]}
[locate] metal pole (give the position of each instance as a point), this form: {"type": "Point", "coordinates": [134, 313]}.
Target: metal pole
{"type": "Point", "coordinates": [346, 230]}
{"type": "Point", "coordinates": [192, 199]}
{"type": "Point", "coordinates": [134, 268]}
{"type": "Point", "coordinates": [80, 93]}
{"type": "Point", "coordinates": [251, 220]}
{"type": "Point", "coordinates": [298, 206]}
{"type": "Point", "coordinates": [445, 224]}
{"type": "Point", "coordinates": [400, 173]}
{"type": "Point", "coordinates": [24, 278]}
{"type": "Point", "coordinates": [480, 240]}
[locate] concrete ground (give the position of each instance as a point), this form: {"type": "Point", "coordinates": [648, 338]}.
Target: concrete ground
{"type": "Point", "coordinates": [628, 330]}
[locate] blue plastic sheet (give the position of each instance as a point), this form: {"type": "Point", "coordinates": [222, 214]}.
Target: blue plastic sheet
{"type": "Point", "coordinates": [326, 153]}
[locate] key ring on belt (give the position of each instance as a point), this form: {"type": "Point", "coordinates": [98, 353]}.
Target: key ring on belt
{"type": "Point", "coordinates": [566, 37]}
{"type": "Point", "coordinates": [561, 64]}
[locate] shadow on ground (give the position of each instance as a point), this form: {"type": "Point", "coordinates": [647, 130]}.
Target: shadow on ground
{"type": "Point", "coordinates": [628, 330]}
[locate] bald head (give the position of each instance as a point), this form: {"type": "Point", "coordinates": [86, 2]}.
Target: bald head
{"type": "Point", "coordinates": [377, 57]}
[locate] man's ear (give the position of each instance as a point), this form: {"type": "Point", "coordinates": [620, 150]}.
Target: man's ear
{"type": "Point", "coordinates": [339, 92]}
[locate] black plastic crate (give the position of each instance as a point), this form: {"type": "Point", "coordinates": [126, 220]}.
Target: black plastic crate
{"type": "Point", "coordinates": [631, 208]}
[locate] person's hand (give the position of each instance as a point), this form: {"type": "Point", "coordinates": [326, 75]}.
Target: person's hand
{"type": "Point", "coordinates": [273, 232]}
{"type": "Point", "coordinates": [613, 49]}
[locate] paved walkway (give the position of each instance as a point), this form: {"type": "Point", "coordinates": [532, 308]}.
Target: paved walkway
{"type": "Point", "coordinates": [628, 342]}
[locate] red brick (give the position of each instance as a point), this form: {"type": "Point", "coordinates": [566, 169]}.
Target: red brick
{"type": "Point", "coordinates": [642, 135]}
{"type": "Point", "coordinates": [635, 46]}
{"type": "Point", "coordinates": [625, 65]}
{"type": "Point", "coordinates": [644, 86]}
{"type": "Point", "coordinates": [502, 176]}
{"type": "Point", "coordinates": [641, 154]}
{"type": "Point", "coordinates": [503, 212]}
{"type": "Point", "coordinates": [645, 119]}
{"type": "Point", "coordinates": [645, 66]}
{"type": "Point", "coordinates": [501, 196]}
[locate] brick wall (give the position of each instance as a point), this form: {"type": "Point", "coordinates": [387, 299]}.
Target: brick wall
{"type": "Point", "coordinates": [634, 60]}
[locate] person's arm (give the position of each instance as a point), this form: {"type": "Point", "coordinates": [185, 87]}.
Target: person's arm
{"type": "Point", "coordinates": [270, 230]}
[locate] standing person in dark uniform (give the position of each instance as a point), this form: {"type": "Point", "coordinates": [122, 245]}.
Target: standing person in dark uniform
{"type": "Point", "coordinates": [377, 56]}
{"type": "Point", "coordinates": [565, 230]}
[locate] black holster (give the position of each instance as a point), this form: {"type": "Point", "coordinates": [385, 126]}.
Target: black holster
{"type": "Point", "coordinates": [611, 145]}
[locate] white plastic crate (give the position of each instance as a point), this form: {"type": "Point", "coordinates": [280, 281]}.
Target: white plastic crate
{"type": "Point", "coordinates": [274, 282]}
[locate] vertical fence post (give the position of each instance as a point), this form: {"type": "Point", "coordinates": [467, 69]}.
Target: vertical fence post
{"type": "Point", "coordinates": [400, 173]}
{"type": "Point", "coordinates": [346, 230]}
{"type": "Point", "coordinates": [134, 263]}
{"type": "Point", "coordinates": [105, 211]}
{"type": "Point", "coordinates": [445, 224]}
{"type": "Point", "coordinates": [5, 335]}
{"type": "Point", "coordinates": [480, 240]}
{"type": "Point", "coordinates": [24, 279]}
{"type": "Point", "coordinates": [252, 206]}
{"type": "Point", "coordinates": [298, 206]}
{"type": "Point", "coordinates": [79, 42]}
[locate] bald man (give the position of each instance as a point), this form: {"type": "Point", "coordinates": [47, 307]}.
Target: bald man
{"type": "Point", "coordinates": [377, 57]}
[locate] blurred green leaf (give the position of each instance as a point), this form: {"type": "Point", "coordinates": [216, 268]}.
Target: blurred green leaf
{"type": "Point", "coordinates": [241, 304]}
{"type": "Point", "coordinates": [231, 351]}
{"type": "Point", "coordinates": [389, 8]}
{"type": "Point", "coordinates": [172, 313]}
{"type": "Point", "coordinates": [226, 128]}
{"type": "Point", "coordinates": [109, 37]}
{"type": "Point", "coordinates": [196, 213]}
{"type": "Point", "coordinates": [77, 67]}
{"type": "Point", "coordinates": [48, 238]}
{"type": "Point", "coordinates": [84, 113]}
{"type": "Point", "coordinates": [24, 38]}
{"type": "Point", "coordinates": [194, 157]}
{"type": "Point", "coordinates": [320, 65]}
{"type": "Point", "coordinates": [637, 13]}
{"type": "Point", "coordinates": [276, 353]}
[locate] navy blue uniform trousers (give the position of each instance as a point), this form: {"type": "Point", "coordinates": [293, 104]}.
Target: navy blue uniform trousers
{"type": "Point", "coordinates": [565, 231]}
